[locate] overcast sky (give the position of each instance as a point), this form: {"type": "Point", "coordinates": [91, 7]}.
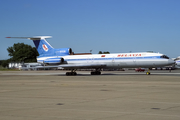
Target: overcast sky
{"type": "Point", "coordinates": [116, 26]}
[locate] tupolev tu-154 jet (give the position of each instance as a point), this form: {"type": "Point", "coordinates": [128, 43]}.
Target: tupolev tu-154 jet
{"type": "Point", "coordinates": [65, 58]}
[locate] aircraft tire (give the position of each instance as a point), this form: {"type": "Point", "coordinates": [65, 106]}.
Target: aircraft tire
{"type": "Point", "coordinates": [71, 73]}
{"type": "Point", "coordinates": [96, 73]}
{"type": "Point", "coordinates": [67, 73]}
{"type": "Point", "coordinates": [74, 73]}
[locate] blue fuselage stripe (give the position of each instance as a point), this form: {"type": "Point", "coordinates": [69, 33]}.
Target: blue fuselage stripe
{"type": "Point", "coordinates": [117, 58]}
{"type": "Point", "coordinates": [56, 60]}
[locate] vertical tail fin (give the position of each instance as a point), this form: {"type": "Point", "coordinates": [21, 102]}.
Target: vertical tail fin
{"type": "Point", "coordinates": [42, 46]}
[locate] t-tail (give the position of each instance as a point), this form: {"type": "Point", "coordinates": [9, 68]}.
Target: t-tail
{"type": "Point", "coordinates": [44, 48]}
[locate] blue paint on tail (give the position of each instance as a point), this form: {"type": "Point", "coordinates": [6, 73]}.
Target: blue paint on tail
{"type": "Point", "coordinates": [43, 47]}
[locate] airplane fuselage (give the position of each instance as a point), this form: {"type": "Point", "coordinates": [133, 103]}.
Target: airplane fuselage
{"type": "Point", "coordinates": [119, 60]}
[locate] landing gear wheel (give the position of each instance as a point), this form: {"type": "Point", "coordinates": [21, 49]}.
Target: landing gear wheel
{"type": "Point", "coordinates": [74, 73]}
{"type": "Point", "coordinates": [67, 73]}
{"type": "Point", "coordinates": [96, 73]}
{"type": "Point", "coordinates": [71, 73]}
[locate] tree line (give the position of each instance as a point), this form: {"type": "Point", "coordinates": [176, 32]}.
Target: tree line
{"type": "Point", "coordinates": [20, 52]}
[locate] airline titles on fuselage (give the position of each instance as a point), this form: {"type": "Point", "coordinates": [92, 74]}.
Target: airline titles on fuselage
{"type": "Point", "coordinates": [126, 55]}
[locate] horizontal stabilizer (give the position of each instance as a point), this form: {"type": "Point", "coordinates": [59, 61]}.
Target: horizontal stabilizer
{"type": "Point", "coordinates": [32, 38]}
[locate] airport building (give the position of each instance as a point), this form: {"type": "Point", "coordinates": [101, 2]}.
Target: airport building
{"type": "Point", "coordinates": [24, 66]}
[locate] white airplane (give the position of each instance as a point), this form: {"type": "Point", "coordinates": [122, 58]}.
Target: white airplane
{"type": "Point", "coordinates": [64, 58]}
{"type": "Point", "coordinates": [177, 65]}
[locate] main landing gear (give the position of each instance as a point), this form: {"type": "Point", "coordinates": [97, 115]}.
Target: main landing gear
{"type": "Point", "coordinates": [96, 72]}
{"type": "Point", "coordinates": [148, 72]}
{"type": "Point", "coordinates": [72, 73]}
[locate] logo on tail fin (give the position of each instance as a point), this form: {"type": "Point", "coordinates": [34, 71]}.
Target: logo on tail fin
{"type": "Point", "coordinates": [45, 47]}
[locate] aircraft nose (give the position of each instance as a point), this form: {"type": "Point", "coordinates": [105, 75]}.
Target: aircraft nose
{"type": "Point", "coordinates": [170, 61]}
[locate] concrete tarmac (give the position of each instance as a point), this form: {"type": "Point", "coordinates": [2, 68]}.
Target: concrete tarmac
{"type": "Point", "coordinates": [50, 95]}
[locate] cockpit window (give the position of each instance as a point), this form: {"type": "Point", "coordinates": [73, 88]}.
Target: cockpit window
{"type": "Point", "coordinates": [164, 56]}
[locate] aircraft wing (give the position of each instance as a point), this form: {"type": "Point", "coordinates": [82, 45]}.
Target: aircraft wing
{"type": "Point", "coordinates": [75, 66]}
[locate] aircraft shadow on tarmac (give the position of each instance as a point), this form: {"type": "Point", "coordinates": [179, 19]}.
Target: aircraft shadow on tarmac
{"type": "Point", "coordinates": [126, 74]}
